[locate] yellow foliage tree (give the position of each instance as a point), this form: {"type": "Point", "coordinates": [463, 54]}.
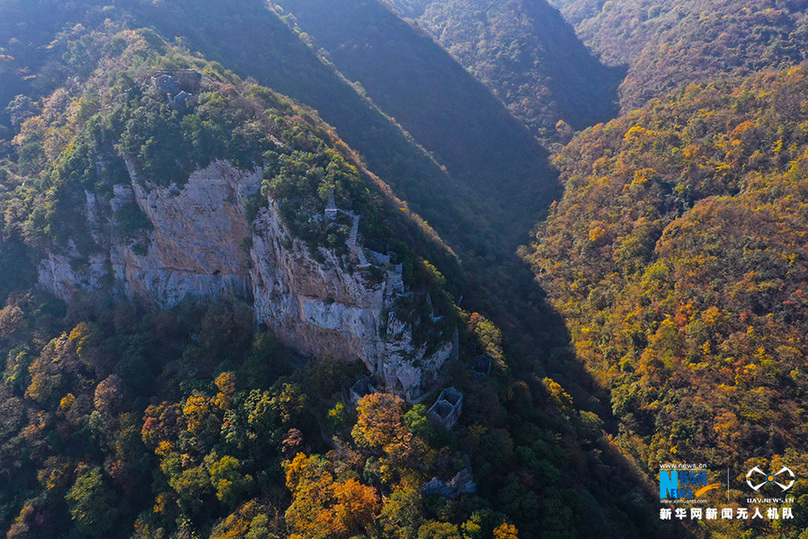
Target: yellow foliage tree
{"type": "Point", "coordinates": [323, 507]}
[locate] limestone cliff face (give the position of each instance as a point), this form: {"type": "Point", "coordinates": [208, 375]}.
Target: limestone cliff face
{"type": "Point", "coordinates": [195, 247]}
{"type": "Point", "coordinates": [202, 244]}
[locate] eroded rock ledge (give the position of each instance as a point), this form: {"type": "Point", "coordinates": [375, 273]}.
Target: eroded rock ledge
{"type": "Point", "coordinates": [200, 243]}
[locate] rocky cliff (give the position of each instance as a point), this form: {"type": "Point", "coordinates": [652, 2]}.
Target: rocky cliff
{"type": "Point", "coordinates": [198, 241]}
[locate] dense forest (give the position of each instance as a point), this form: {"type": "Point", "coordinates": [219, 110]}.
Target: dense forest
{"type": "Point", "coordinates": [267, 268]}
{"type": "Point", "coordinates": [413, 80]}
{"type": "Point", "coordinates": [528, 56]}
{"type": "Point", "coordinates": [667, 43]}
{"type": "Point", "coordinates": [121, 419]}
{"type": "Point", "coordinates": [677, 258]}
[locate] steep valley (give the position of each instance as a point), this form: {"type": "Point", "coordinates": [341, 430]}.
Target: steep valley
{"type": "Point", "coordinates": [220, 260]}
{"type": "Point", "coordinates": [370, 268]}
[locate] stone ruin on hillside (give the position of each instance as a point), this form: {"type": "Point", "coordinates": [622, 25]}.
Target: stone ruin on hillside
{"type": "Point", "coordinates": [179, 86]}
{"type": "Point", "coordinates": [482, 366]}
{"type": "Point", "coordinates": [446, 410]}
{"type": "Point", "coordinates": [362, 387]}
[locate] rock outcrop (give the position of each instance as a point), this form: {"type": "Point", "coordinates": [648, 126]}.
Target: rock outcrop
{"type": "Point", "coordinates": [201, 244]}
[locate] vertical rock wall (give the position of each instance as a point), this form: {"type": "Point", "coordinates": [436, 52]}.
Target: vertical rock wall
{"type": "Point", "coordinates": [201, 244]}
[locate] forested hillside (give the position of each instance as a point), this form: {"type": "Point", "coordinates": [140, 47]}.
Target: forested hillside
{"type": "Point", "coordinates": [528, 56]}
{"type": "Point", "coordinates": [123, 419]}
{"type": "Point", "coordinates": [479, 217]}
{"type": "Point", "coordinates": [666, 44]}
{"type": "Point", "coordinates": [440, 104]}
{"type": "Point", "coordinates": [274, 56]}
{"type": "Point", "coordinates": [677, 257]}
{"type": "Point", "coordinates": [260, 272]}
{"type": "Point", "coordinates": [500, 179]}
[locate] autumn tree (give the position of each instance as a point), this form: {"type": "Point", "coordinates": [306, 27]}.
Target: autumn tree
{"type": "Point", "coordinates": [402, 514]}
{"type": "Point", "coordinates": [323, 506]}
{"type": "Point", "coordinates": [227, 479]}
{"type": "Point", "coordinates": [381, 427]}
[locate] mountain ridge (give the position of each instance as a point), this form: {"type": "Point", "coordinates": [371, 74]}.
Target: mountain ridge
{"type": "Point", "coordinates": [525, 53]}
{"type": "Point", "coordinates": [123, 419]}
{"type": "Point", "coordinates": [667, 45]}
